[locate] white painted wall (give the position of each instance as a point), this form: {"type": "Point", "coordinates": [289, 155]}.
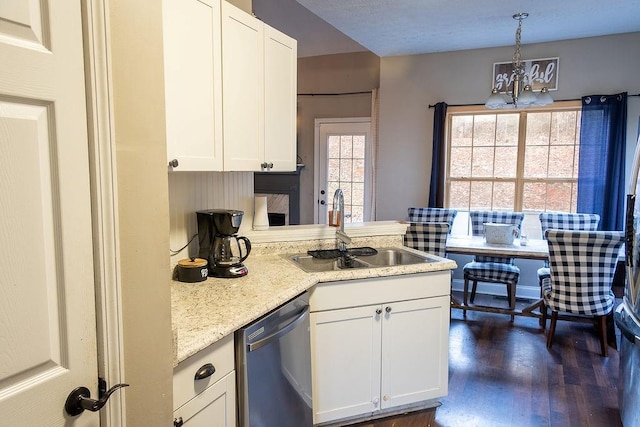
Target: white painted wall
{"type": "Point", "coordinates": [408, 84]}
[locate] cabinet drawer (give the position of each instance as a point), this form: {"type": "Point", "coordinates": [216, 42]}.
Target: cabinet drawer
{"type": "Point", "coordinates": [360, 292]}
{"type": "Point", "coordinates": [216, 406]}
{"type": "Point", "coordinates": [185, 386]}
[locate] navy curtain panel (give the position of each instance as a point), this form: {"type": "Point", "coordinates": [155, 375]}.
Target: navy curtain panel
{"type": "Point", "coordinates": [436, 188]}
{"type": "Point", "coordinates": [601, 170]}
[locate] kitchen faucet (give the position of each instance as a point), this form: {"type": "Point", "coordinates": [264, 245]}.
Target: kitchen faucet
{"type": "Point", "coordinates": [342, 240]}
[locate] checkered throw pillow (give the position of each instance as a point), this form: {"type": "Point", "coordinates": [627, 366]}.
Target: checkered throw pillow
{"type": "Point", "coordinates": [582, 265]}
{"type": "Point", "coordinates": [432, 215]}
{"type": "Point", "coordinates": [428, 237]}
{"type": "Point", "coordinates": [565, 221]}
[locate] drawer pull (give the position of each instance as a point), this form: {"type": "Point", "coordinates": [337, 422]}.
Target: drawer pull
{"type": "Point", "coordinates": [205, 371]}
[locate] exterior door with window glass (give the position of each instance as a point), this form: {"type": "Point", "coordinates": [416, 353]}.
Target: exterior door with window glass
{"type": "Point", "coordinates": [343, 147]}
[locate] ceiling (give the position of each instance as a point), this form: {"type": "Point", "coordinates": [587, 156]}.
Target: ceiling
{"type": "Point", "coordinates": [409, 27]}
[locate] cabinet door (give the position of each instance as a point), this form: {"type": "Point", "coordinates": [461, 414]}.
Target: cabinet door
{"type": "Point", "coordinates": [193, 84]}
{"type": "Point", "coordinates": [345, 360]}
{"type": "Point", "coordinates": [415, 345]}
{"type": "Point", "coordinates": [214, 407]}
{"type": "Point", "coordinates": [243, 88]}
{"type": "Point", "coordinates": [280, 76]}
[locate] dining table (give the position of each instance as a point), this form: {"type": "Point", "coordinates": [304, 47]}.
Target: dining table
{"type": "Point", "coordinates": [536, 249]}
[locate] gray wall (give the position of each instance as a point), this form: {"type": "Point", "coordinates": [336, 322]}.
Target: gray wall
{"type": "Point", "coordinates": [408, 84]}
{"type": "Point", "coordinates": [329, 74]}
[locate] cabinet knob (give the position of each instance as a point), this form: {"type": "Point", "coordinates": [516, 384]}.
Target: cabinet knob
{"type": "Point", "coordinates": [375, 400]}
{"type": "Point", "coordinates": [174, 163]}
{"type": "Point", "coordinates": [387, 309]}
{"type": "Point", "coordinates": [177, 422]}
{"type": "Point", "coordinates": [270, 166]}
{"type": "Point", "coordinates": [378, 311]}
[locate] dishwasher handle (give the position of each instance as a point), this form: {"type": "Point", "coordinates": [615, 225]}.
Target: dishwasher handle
{"type": "Point", "coordinates": [295, 321]}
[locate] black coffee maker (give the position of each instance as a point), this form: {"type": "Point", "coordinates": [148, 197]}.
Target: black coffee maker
{"type": "Point", "coordinates": [217, 230]}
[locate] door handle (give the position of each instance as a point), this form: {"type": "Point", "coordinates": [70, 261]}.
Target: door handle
{"type": "Point", "coordinates": [80, 399]}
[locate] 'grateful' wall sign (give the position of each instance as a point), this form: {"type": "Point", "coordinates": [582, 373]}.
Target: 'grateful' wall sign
{"type": "Point", "coordinates": [538, 73]}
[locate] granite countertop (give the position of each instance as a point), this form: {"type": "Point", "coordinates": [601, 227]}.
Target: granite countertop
{"type": "Point", "coordinates": [204, 312]}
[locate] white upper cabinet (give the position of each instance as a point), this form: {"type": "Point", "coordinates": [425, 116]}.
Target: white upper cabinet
{"type": "Point", "coordinates": [193, 84]}
{"type": "Point", "coordinates": [243, 88]}
{"type": "Point", "coordinates": [280, 76]}
{"type": "Point", "coordinates": [259, 94]}
{"type": "Point", "coordinates": [230, 89]}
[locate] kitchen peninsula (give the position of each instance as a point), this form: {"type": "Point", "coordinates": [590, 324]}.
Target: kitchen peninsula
{"type": "Point", "coordinates": [207, 312]}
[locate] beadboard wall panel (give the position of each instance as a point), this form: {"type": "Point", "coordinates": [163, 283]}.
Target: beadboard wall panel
{"type": "Point", "coordinates": [193, 191]}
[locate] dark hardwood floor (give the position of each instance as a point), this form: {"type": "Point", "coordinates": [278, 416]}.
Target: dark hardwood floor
{"type": "Point", "coordinates": [501, 374]}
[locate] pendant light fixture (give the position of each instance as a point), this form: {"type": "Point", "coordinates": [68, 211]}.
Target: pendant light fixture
{"type": "Point", "coordinates": [521, 95]}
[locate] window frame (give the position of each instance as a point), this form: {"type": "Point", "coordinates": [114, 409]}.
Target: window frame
{"type": "Point", "coordinates": [519, 179]}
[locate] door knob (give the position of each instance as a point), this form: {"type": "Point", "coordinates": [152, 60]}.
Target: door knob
{"type": "Point", "coordinates": [80, 399]}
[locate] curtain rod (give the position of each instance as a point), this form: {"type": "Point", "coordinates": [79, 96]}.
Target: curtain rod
{"type": "Point", "coordinates": [476, 105]}
{"type": "Point", "coordinates": [335, 94]}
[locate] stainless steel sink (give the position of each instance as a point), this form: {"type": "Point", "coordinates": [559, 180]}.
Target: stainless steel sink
{"type": "Point", "coordinates": [395, 256]}
{"type": "Point", "coordinates": [384, 258]}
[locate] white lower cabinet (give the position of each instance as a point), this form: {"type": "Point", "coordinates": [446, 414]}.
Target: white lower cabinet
{"type": "Point", "coordinates": [204, 388]}
{"type": "Point", "coordinates": [378, 344]}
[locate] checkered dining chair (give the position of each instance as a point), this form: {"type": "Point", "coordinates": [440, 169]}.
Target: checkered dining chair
{"type": "Point", "coordinates": [432, 215]}
{"type": "Point", "coordinates": [582, 265]}
{"type": "Point", "coordinates": [565, 221]}
{"type": "Point", "coordinates": [428, 237]}
{"type": "Point", "coordinates": [492, 269]}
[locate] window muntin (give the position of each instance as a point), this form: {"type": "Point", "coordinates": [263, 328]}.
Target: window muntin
{"type": "Point", "coordinates": [513, 160]}
{"type": "Point", "coordinates": [346, 170]}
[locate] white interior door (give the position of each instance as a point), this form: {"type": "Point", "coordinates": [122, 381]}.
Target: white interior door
{"type": "Point", "coordinates": [47, 305]}
{"type": "Point", "coordinates": [342, 160]}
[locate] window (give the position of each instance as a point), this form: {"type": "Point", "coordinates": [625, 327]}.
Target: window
{"type": "Point", "coordinates": [345, 158]}
{"type": "Point", "coordinates": [518, 160]}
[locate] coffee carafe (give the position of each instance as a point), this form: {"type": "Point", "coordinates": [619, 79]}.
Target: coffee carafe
{"type": "Point", "coordinates": [220, 244]}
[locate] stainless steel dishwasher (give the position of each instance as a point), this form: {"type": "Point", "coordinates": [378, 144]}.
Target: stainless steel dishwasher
{"type": "Point", "coordinates": [273, 366]}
